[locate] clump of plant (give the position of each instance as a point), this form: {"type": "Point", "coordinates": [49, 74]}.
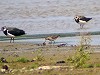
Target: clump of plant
{"type": "Point", "coordinates": [97, 65]}
{"type": "Point", "coordinates": [39, 56]}
{"type": "Point", "coordinates": [23, 60]}
{"type": "Point", "coordinates": [35, 65]}
{"type": "Point", "coordinates": [88, 66]}
{"type": "Point", "coordinates": [81, 56]}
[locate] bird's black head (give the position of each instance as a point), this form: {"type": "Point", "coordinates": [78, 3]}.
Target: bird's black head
{"type": "Point", "coordinates": [3, 28]}
{"type": "Point", "coordinates": [76, 17]}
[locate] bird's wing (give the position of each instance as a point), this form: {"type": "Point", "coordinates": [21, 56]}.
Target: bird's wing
{"type": "Point", "coordinates": [16, 31]}
{"type": "Point", "coordinates": [85, 19]}
{"type": "Point", "coordinates": [82, 18]}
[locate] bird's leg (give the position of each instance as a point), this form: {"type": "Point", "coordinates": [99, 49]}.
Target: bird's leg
{"type": "Point", "coordinates": [80, 26]}
{"type": "Point", "coordinates": [13, 40]}
{"type": "Point", "coordinates": [10, 40]}
{"type": "Point", "coordinates": [53, 42]}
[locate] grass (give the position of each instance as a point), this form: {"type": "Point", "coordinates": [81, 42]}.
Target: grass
{"type": "Point", "coordinates": [23, 60]}
{"type": "Point", "coordinates": [88, 66]}
{"type": "Point", "coordinates": [97, 65]}
{"type": "Point", "coordinates": [35, 65]}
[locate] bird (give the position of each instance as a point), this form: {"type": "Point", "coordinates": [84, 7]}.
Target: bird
{"type": "Point", "coordinates": [12, 32]}
{"type": "Point", "coordinates": [81, 20]}
{"type": "Point", "coordinates": [52, 38]}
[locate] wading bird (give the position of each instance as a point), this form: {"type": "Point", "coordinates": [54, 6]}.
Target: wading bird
{"type": "Point", "coordinates": [82, 20]}
{"type": "Point", "coordinates": [12, 32]}
{"type": "Point", "coordinates": [52, 38]}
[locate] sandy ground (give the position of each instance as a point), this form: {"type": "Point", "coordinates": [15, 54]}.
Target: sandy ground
{"type": "Point", "coordinates": [20, 48]}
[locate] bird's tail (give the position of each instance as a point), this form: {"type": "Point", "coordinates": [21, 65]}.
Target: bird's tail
{"type": "Point", "coordinates": [89, 19]}
{"type": "Point", "coordinates": [22, 32]}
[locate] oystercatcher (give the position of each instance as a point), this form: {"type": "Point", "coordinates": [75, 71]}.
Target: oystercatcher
{"type": "Point", "coordinates": [12, 32]}
{"type": "Point", "coordinates": [82, 20]}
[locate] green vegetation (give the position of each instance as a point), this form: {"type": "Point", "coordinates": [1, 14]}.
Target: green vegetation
{"type": "Point", "coordinates": [39, 56]}
{"type": "Point", "coordinates": [23, 60]}
{"type": "Point", "coordinates": [35, 65]}
{"type": "Point", "coordinates": [21, 66]}
{"type": "Point", "coordinates": [81, 56]}
{"type": "Point", "coordinates": [88, 66]}
{"type": "Point", "coordinates": [97, 65]}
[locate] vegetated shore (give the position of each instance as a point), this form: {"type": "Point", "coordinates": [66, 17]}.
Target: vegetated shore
{"type": "Point", "coordinates": [48, 55]}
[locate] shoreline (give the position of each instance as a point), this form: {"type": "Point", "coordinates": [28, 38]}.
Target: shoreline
{"type": "Point", "coordinates": [30, 46]}
{"type": "Point", "coordinates": [60, 40]}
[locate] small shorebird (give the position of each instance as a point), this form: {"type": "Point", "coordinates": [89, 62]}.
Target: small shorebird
{"type": "Point", "coordinates": [82, 20]}
{"type": "Point", "coordinates": [12, 32]}
{"type": "Point", "coordinates": [52, 38]}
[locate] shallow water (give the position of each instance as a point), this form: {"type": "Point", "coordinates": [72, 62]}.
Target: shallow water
{"type": "Point", "coordinates": [49, 16]}
{"type": "Point", "coordinates": [95, 40]}
{"type": "Point", "coordinates": [75, 40]}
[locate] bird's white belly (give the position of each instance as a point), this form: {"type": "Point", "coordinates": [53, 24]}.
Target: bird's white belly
{"type": "Point", "coordinates": [10, 35]}
{"type": "Point", "coordinates": [82, 22]}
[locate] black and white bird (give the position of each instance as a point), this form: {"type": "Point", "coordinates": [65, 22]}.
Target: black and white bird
{"type": "Point", "coordinates": [82, 20]}
{"type": "Point", "coordinates": [12, 32]}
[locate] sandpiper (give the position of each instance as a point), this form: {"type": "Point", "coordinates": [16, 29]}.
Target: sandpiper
{"type": "Point", "coordinates": [52, 38]}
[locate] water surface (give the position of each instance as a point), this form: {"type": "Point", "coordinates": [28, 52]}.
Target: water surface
{"type": "Point", "coordinates": [49, 16]}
